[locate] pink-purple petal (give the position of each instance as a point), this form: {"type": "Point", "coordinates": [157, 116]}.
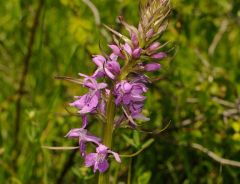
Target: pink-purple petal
{"type": "Point", "coordinates": [99, 60]}
{"type": "Point", "coordinates": [127, 48]}
{"type": "Point", "coordinates": [116, 156]}
{"type": "Point", "coordinates": [109, 74]}
{"type": "Point", "coordinates": [90, 159]}
{"type": "Point", "coordinates": [137, 53]}
{"type": "Point", "coordinates": [115, 49]}
{"type": "Point", "coordinates": [102, 166]}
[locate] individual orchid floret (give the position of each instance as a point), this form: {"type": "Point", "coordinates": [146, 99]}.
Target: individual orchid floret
{"type": "Point", "coordinates": [89, 102]}
{"type": "Point", "coordinates": [117, 51]}
{"type": "Point", "coordinates": [110, 67]}
{"type": "Point", "coordinates": [127, 92]}
{"type": "Point", "coordinates": [91, 83]}
{"type": "Point", "coordinates": [99, 159]}
{"type": "Point", "coordinates": [130, 95]}
{"type": "Point", "coordinates": [83, 137]}
{"type": "Point", "coordinates": [86, 103]}
{"type": "Point", "coordinates": [136, 111]}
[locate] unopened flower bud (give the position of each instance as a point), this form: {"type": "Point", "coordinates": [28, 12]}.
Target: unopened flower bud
{"type": "Point", "coordinates": [153, 47]}
{"type": "Point", "coordinates": [152, 67]}
{"type": "Point", "coordinates": [159, 55]}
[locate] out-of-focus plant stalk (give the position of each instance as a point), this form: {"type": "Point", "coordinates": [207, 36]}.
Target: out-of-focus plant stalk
{"type": "Point", "coordinates": [108, 133]}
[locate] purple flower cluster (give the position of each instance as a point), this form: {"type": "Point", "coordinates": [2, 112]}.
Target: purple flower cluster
{"type": "Point", "coordinates": [130, 95]}
{"type": "Point", "coordinates": [121, 76]}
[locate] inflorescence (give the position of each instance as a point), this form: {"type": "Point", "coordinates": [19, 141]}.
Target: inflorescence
{"type": "Point", "coordinates": [121, 76]}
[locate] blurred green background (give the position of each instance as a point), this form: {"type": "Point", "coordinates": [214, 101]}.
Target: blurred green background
{"type": "Point", "coordinates": [198, 92]}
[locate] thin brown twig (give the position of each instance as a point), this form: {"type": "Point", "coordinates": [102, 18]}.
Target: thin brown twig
{"type": "Point", "coordinates": [224, 102]}
{"type": "Point", "coordinates": [25, 62]}
{"type": "Point", "coordinates": [214, 156]}
{"type": "Point", "coordinates": [217, 38]}
{"type": "Point", "coordinates": [94, 10]}
{"type": "Point", "coordinates": [66, 166]}
{"type": "Point", "coordinates": [208, 152]}
{"type": "Point", "coordinates": [186, 123]}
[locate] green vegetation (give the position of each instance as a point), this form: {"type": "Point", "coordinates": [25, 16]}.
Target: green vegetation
{"type": "Point", "coordinates": [197, 92]}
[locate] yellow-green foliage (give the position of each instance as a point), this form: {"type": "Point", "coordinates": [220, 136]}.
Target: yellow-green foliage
{"type": "Point", "coordinates": [199, 92]}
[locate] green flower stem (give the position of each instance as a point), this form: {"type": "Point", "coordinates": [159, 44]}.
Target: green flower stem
{"type": "Point", "coordinates": [107, 134]}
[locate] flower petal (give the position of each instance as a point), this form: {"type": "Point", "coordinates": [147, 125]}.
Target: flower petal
{"type": "Point", "coordinates": [136, 53]}
{"type": "Point", "coordinates": [82, 147]}
{"type": "Point", "coordinates": [90, 159]}
{"type": "Point", "coordinates": [127, 87]}
{"type": "Point", "coordinates": [102, 149]}
{"type": "Point", "coordinates": [113, 57]}
{"type": "Point", "coordinates": [102, 85]}
{"type": "Point", "coordinates": [113, 66]}
{"type": "Point", "coordinates": [91, 138]}
{"type": "Point", "coordinates": [99, 60]}
{"type": "Point", "coordinates": [80, 102]}
{"type": "Point", "coordinates": [98, 73]}
{"type": "Point", "coordinates": [102, 166]}
{"type": "Point", "coordinates": [84, 121]}
{"type": "Point", "coordinates": [116, 156]}
{"type": "Point", "coordinates": [115, 49]}
{"type": "Point", "coordinates": [127, 48]}
{"type": "Point", "coordinates": [134, 39]}
{"type": "Point", "coordinates": [74, 133]}
{"type": "Point", "coordinates": [109, 74]}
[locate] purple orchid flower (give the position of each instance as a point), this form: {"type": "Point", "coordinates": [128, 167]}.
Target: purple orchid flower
{"type": "Point", "coordinates": [136, 111]}
{"type": "Point", "coordinates": [127, 92]}
{"type": "Point", "coordinates": [130, 96]}
{"type": "Point", "coordinates": [110, 67]}
{"type": "Point", "coordinates": [99, 159]}
{"type": "Point", "coordinates": [86, 103]}
{"type": "Point", "coordinates": [117, 50]}
{"type": "Point", "coordinates": [89, 102]}
{"type": "Point", "coordinates": [83, 137]}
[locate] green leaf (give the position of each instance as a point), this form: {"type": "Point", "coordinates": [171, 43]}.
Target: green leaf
{"type": "Point", "coordinates": [144, 178]}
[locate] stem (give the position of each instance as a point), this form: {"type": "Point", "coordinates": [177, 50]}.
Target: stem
{"type": "Point", "coordinates": [107, 134]}
{"type": "Point", "coordinates": [25, 62]}
{"type": "Point", "coordinates": [129, 172]}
